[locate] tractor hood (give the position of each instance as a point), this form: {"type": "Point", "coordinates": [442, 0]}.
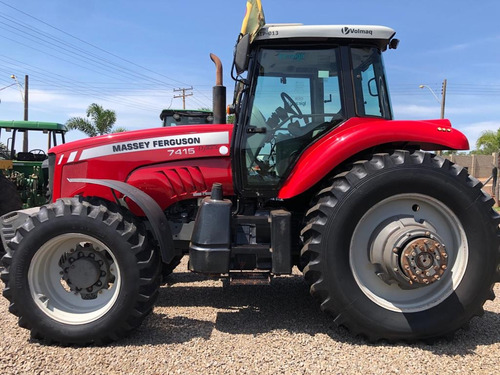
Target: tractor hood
{"type": "Point", "coordinates": [199, 137]}
{"type": "Point", "coordinates": [145, 159]}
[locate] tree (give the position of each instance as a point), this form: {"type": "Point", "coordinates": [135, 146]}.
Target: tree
{"type": "Point", "coordinates": [99, 121]}
{"type": "Point", "coordinates": [488, 142]}
{"type": "Point", "coordinates": [4, 151]}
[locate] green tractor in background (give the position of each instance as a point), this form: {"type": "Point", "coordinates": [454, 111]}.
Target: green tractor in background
{"type": "Point", "coordinates": [176, 117]}
{"type": "Point", "coordinates": [24, 174]}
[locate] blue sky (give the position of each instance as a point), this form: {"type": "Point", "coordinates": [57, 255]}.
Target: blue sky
{"type": "Point", "coordinates": [129, 56]}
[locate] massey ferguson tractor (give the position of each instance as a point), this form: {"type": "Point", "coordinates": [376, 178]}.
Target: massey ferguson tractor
{"type": "Point", "coordinates": [396, 242]}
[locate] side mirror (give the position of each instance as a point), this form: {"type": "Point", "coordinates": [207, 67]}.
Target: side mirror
{"type": "Point", "coordinates": [241, 54]}
{"type": "Point", "coordinates": [393, 44]}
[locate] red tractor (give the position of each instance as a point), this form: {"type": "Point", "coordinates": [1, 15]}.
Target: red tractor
{"type": "Point", "coordinates": [395, 242]}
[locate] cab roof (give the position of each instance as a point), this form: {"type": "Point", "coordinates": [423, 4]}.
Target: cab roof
{"type": "Point", "coordinates": [33, 125]}
{"type": "Point", "coordinates": [382, 35]}
{"type": "Point", "coordinates": [185, 112]}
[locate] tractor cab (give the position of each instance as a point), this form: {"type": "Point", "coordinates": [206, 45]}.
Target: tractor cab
{"type": "Point", "coordinates": [296, 83]}
{"type": "Point", "coordinates": [176, 117]}
{"type": "Point", "coordinates": [28, 168]}
{"type": "Point", "coordinates": [10, 130]}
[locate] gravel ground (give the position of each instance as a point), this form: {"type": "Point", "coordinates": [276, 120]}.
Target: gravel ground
{"type": "Point", "coordinates": [200, 327]}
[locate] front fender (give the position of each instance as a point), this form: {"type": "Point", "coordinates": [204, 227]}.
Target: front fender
{"type": "Point", "coordinates": [358, 134]}
{"type": "Point", "coordinates": [154, 213]}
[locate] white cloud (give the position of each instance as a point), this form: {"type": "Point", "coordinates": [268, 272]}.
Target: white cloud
{"type": "Point", "coordinates": [463, 46]}
{"type": "Point", "coordinates": [474, 130]}
{"type": "Point", "coordinates": [412, 111]}
{"type": "Point", "coordinates": [138, 111]}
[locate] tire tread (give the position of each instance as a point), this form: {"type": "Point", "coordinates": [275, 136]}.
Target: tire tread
{"type": "Point", "coordinates": [109, 214]}
{"type": "Point", "coordinates": [336, 187]}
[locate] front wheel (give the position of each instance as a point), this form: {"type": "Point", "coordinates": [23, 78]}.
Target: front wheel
{"type": "Point", "coordinates": [79, 273]}
{"type": "Point", "coordinates": [403, 246]}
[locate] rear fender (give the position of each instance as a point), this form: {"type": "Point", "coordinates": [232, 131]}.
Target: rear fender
{"type": "Point", "coordinates": [156, 217]}
{"type": "Point", "coordinates": [358, 134]}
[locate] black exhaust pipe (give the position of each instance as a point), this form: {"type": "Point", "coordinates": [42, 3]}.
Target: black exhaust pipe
{"type": "Point", "coordinates": [219, 93]}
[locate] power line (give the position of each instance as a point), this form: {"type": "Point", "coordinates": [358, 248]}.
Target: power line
{"type": "Point", "coordinates": [453, 88]}
{"type": "Point", "coordinates": [86, 59]}
{"type": "Point", "coordinates": [73, 87]}
{"type": "Point", "coordinates": [90, 44]}
{"type": "Point", "coordinates": [183, 95]}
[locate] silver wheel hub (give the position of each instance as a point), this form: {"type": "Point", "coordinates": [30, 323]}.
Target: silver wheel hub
{"type": "Point", "coordinates": [85, 270]}
{"type": "Point", "coordinates": [408, 252]}
{"type": "Point", "coordinates": [74, 278]}
{"type": "Point", "coordinates": [424, 261]}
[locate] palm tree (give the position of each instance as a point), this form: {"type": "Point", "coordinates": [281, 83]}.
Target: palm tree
{"type": "Point", "coordinates": [488, 142]}
{"type": "Point", "coordinates": [101, 121]}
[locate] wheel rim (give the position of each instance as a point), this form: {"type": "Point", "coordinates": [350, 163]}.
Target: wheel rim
{"type": "Point", "coordinates": [408, 253]}
{"type": "Point", "coordinates": [76, 302]}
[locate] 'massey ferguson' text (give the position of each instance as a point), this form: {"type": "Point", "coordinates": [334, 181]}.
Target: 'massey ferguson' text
{"type": "Point", "coordinates": [156, 143]}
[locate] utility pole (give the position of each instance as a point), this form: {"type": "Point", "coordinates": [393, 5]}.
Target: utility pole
{"type": "Point", "coordinates": [443, 97]}
{"type": "Point", "coordinates": [24, 96]}
{"type": "Point", "coordinates": [25, 139]}
{"type": "Point", "coordinates": [183, 95]}
{"type": "Point", "coordinates": [441, 101]}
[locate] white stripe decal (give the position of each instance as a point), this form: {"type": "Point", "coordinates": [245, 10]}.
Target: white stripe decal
{"type": "Point", "coordinates": [60, 159]}
{"type": "Point", "coordinates": [157, 143]}
{"type": "Point", "coordinates": [72, 156]}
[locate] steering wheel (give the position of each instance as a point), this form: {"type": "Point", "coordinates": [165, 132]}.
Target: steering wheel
{"type": "Point", "coordinates": [278, 118]}
{"type": "Point", "coordinates": [37, 151]}
{"type": "Point", "coordinates": [290, 105]}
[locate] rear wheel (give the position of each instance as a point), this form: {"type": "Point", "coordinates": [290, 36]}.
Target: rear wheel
{"type": "Point", "coordinates": [403, 246]}
{"type": "Point", "coordinates": [79, 273]}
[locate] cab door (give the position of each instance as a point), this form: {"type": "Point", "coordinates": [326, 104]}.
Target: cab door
{"type": "Point", "coordinates": [294, 97]}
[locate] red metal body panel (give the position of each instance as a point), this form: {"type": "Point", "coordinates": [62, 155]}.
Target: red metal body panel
{"type": "Point", "coordinates": [358, 134]}
{"type": "Point", "coordinates": [170, 163]}
{"type": "Point", "coordinates": [170, 182]}
{"type": "Point", "coordinates": [176, 163]}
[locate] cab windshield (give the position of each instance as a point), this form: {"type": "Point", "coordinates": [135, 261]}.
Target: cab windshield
{"type": "Point", "coordinates": [296, 99]}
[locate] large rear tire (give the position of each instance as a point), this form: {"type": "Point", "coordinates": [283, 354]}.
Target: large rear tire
{"type": "Point", "coordinates": [404, 246]}
{"type": "Point", "coordinates": [81, 273]}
